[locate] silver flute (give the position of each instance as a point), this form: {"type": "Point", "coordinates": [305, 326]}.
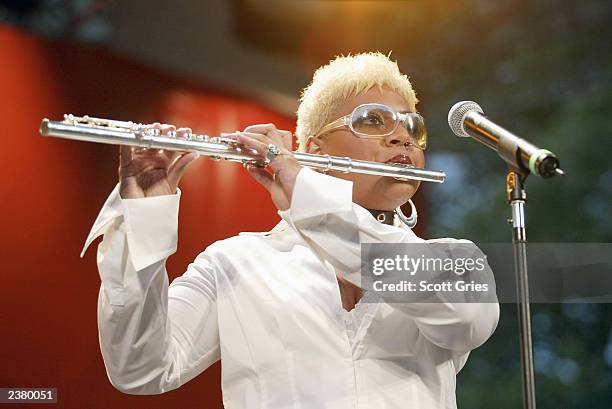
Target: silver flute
{"type": "Point", "coordinates": [86, 128]}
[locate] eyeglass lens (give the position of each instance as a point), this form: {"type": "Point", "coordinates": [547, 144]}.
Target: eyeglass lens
{"type": "Point", "coordinates": [373, 120]}
{"type": "Point", "coordinates": [377, 120]}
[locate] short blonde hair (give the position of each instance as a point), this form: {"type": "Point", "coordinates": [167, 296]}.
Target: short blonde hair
{"type": "Point", "coordinates": [343, 78]}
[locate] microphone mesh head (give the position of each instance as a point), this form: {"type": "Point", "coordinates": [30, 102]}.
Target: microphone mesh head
{"type": "Point", "coordinates": [457, 113]}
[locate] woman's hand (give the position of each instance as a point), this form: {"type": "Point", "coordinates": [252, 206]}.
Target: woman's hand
{"type": "Point", "coordinates": [152, 172]}
{"type": "Point", "coordinates": [284, 167]}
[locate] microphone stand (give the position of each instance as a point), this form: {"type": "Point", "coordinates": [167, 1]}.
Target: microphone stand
{"type": "Point", "coordinates": [515, 190]}
{"type": "Point", "coordinates": [466, 118]}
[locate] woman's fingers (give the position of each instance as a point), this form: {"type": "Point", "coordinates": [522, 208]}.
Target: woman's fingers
{"type": "Point", "coordinates": [125, 155]}
{"type": "Point", "coordinates": [179, 160]}
{"type": "Point", "coordinates": [260, 142]}
{"type": "Point", "coordinates": [165, 128]}
{"type": "Point", "coordinates": [279, 183]}
{"type": "Point", "coordinates": [178, 168]}
{"type": "Point", "coordinates": [260, 128]}
{"type": "Point", "coordinates": [254, 141]}
{"type": "Point", "coordinates": [271, 131]}
{"type": "Point", "coordinates": [287, 138]}
{"type": "Point", "coordinates": [262, 176]}
{"type": "Point", "coordinates": [183, 132]}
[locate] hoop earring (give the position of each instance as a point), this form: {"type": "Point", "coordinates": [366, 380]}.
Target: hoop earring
{"type": "Point", "coordinates": [408, 221]}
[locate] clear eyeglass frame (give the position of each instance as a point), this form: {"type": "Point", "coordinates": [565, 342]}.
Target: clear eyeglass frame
{"type": "Point", "coordinates": [408, 118]}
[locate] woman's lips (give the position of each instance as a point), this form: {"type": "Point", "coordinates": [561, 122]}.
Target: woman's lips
{"type": "Point", "coordinates": [400, 159]}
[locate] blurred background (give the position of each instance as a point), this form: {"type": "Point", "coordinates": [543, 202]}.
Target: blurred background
{"type": "Point", "coordinates": [542, 68]}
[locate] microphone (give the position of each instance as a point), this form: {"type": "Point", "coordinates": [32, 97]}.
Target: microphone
{"type": "Point", "coordinates": [466, 119]}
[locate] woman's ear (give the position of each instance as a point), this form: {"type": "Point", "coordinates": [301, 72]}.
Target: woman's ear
{"type": "Point", "coordinates": [314, 144]}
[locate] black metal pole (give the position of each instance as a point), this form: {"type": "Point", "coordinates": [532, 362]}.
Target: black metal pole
{"type": "Point", "coordinates": [517, 197]}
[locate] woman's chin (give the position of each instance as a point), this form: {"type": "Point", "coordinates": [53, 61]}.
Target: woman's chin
{"type": "Point", "coordinates": [401, 191]}
{"type": "Point", "coordinates": [390, 195]}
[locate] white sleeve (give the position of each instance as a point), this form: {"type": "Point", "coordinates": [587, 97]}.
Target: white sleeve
{"type": "Point", "coordinates": [154, 337]}
{"type": "Point", "coordinates": [323, 214]}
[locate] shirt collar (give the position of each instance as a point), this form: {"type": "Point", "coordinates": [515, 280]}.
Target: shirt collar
{"type": "Point", "coordinates": [280, 226]}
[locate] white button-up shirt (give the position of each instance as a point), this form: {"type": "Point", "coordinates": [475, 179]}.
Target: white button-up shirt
{"type": "Point", "coordinates": [268, 305]}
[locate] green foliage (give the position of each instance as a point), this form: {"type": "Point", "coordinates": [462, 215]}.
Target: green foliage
{"type": "Point", "coordinates": [543, 70]}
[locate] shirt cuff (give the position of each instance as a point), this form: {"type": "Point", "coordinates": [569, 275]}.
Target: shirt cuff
{"type": "Point", "coordinates": [110, 211]}
{"type": "Point", "coordinates": [151, 228]}
{"type": "Point", "coordinates": [316, 194]}
{"type": "Point", "coordinates": [151, 225]}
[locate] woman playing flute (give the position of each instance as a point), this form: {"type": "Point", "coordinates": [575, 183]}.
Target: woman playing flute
{"type": "Point", "coordinates": [285, 311]}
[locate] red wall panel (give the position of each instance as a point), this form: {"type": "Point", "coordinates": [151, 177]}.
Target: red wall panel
{"type": "Point", "coordinates": [51, 192]}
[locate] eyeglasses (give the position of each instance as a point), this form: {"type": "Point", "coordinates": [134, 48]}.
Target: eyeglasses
{"type": "Point", "coordinates": [378, 120]}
